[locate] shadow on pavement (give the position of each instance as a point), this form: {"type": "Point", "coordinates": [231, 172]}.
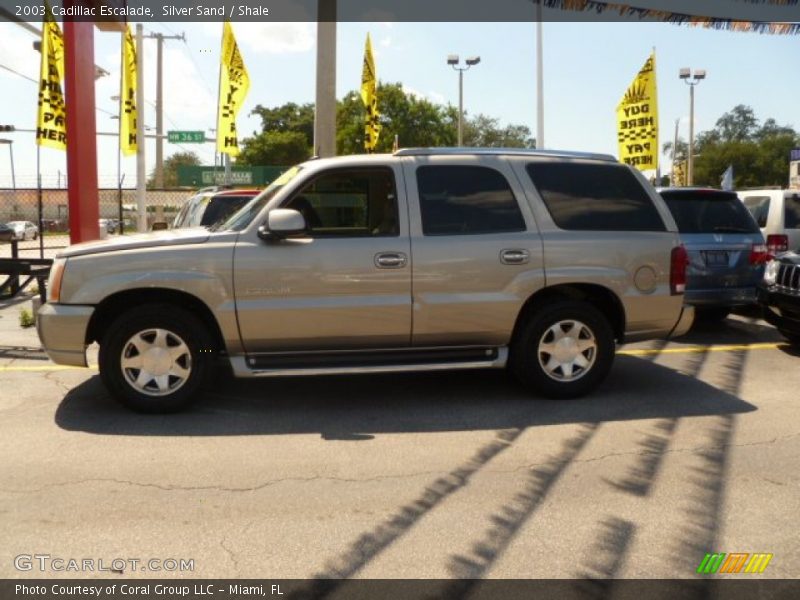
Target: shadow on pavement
{"type": "Point", "coordinates": [733, 330]}
{"type": "Point", "coordinates": [356, 408]}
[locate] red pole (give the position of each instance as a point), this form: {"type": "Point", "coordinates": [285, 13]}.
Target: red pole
{"type": "Point", "coordinates": [81, 130]}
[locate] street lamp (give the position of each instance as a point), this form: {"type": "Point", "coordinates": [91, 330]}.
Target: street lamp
{"type": "Point", "coordinates": [453, 60]}
{"type": "Point", "coordinates": [698, 75]}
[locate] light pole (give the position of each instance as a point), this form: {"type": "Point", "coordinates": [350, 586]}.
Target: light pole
{"type": "Point", "coordinates": [453, 60]}
{"type": "Point", "coordinates": [696, 77]}
{"type": "Point", "coordinates": [11, 156]}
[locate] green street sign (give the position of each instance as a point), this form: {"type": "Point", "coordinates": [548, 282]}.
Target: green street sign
{"type": "Point", "coordinates": [186, 137]}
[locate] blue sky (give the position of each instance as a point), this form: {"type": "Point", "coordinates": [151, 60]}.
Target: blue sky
{"type": "Point", "coordinates": [587, 68]}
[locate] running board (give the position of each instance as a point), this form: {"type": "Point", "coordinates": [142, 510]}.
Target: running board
{"type": "Point", "coordinates": [250, 367]}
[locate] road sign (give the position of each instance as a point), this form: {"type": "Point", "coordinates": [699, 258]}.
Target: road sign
{"type": "Point", "coordinates": [186, 137]}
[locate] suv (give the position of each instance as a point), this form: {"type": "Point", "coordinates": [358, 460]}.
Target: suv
{"type": "Point", "coordinates": [779, 295]}
{"type": "Point", "coordinates": [208, 207]}
{"type": "Point", "coordinates": [725, 246]}
{"type": "Point", "coordinates": [777, 213]}
{"type": "Point", "coordinates": [421, 260]}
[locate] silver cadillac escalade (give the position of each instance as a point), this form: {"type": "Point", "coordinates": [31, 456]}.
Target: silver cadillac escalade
{"type": "Point", "coordinates": [422, 260]}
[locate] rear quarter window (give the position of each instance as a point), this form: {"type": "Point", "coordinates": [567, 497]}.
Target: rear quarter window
{"type": "Point", "coordinates": [791, 212]}
{"type": "Point", "coordinates": [594, 197]}
{"type": "Point", "coordinates": [758, 207]}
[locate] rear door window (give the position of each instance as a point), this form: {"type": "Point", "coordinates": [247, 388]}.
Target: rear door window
{"type": "Point", "coordinates": [709, 212]}
{"type": "Point", "coordinates": [791, 208]}
{"type": "Point", "coordinates": [759, 208]}
{"type": "Point", "coordinates": [466, 200]}
{"type": "Point", "coordinates": [594, 197]}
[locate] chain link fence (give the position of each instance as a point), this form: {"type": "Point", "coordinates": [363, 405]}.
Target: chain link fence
{"type": "Point", "coordinates": [50, 217]}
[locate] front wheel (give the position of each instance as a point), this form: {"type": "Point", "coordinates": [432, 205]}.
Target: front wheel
{"type": "Point", "coordinates": [156, 358]}
{"type": "Point", "coordinates": [563, 350]}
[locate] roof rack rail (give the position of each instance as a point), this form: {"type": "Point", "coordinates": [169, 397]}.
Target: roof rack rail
{"type": "Point", "coordinates": [503, 151]}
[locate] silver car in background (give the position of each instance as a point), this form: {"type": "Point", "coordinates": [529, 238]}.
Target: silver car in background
{"type": "Point", "coordinates": [726, 249]}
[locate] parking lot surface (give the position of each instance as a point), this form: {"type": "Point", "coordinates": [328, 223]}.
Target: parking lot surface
{"type": "Point", "coordinates": [689, 447]}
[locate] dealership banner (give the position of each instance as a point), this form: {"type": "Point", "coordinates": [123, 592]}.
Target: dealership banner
{"type": "Point", "coordinates": [234, 82]}
{"type": "Point", "coordinates": [51, 119]}
{"type": "Point", "coordinates": [369, 96]}
{"type": "Point", "coordinates": [127, 95]}
{"type": "Point", "coordinates": [637, 120]}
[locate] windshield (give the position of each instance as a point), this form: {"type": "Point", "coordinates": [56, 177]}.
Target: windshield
{"type": "Point", "coordinates": [244, 216]}
{"type": "Point", "coordinates": [709, 212]}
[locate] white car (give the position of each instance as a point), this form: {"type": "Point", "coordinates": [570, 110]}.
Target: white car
{"type": "Point", "coordinates": [24, 230]}
{"type": "Point", "coordinates": [777, 213]}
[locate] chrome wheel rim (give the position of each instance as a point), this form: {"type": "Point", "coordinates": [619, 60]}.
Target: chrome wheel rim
{"type": "Point", "coordinates": [156, 362]}
{"type": "Point", "coordinates": [567, 350]}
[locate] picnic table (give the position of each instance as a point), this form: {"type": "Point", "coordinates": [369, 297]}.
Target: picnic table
{"type": "Point", "coordinates": [31, 268]}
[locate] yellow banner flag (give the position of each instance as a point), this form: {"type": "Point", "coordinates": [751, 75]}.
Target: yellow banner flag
{"type": "Point", "coordinates": [234, 82]}
{"type": "Point", "coordinates": [51, 121]}
{"type": "Point", "coordinates": [369, 96]}
{"type": "Point", "coordinates": [637, 120]}
{"type": "Point", "coordinates": [128, 112]}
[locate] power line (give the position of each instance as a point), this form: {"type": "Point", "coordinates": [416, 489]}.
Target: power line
{"type": "Point", "coordinates": [18, 73]}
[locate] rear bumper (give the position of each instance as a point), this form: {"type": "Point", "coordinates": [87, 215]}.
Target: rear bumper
{"type": "Point", "coordinates": [780, 309]}
{"type": "Point", "coordinates": [684, 322]}
{"type": "Point", "coordinates": [62, 331]}
{"type": "Point", "coordinates": [739, 296]}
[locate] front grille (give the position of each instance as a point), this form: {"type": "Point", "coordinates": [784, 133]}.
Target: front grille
{"type": "Point", "coordinates": [789, 277]}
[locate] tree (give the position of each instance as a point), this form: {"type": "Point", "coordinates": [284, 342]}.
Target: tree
{"type": "Point", "coordinates": [171, 164]}
{"type": "Point", "coordinates": [759, 154]}
{"type": "Point", "coordinates": [288, 130]}
{"type": "Point", "coordinates": [486, 132]}
{"type": "Point", "coordinates": [416, 121]}
{"type": "Point", "coordinates": [284, 148]}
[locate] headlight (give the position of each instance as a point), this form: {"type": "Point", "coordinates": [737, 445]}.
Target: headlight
{"type": "Point", "coordinates": [54, 281]}
{"type": "Point", "coordinates": [771, 272]}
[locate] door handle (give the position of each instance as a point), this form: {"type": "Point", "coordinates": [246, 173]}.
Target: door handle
{"type": "Point", "coordinates": [391, 260]}
{"type": "Point", "coordinates": [514, 257]}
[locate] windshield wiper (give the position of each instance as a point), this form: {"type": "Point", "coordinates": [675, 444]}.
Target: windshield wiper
{"type": "Point", "coordinates": [732, 229]}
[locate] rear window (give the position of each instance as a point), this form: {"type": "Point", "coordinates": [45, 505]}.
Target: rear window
{"type": "Point", "coordinates": [791, 209]}
{"type": "Point", "coordinates": [709, 212]}
{"type": "Point", "coordinates": [759, 208]}
{"type": "Point", "coordinates": [594, 197]}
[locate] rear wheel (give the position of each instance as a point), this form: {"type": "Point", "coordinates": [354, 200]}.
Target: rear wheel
{"type": "Point", "coordinates": [563, 350]}
{"type": "Point", "coordinates": [156, 358]}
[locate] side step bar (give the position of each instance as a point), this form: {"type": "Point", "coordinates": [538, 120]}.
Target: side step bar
{"type": "Point", "coordinates": [349, 363]}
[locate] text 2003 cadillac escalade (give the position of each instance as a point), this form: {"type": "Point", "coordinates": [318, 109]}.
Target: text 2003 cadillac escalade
{"type": "Point", "coordinates": [420, 260]}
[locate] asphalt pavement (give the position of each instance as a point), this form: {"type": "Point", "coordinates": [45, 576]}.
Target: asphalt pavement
{"type": "Point", "coordinates": [689, 447]}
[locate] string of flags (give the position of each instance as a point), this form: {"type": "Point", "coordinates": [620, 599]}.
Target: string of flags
{"type": "Point", "coordinates": [678, 18]}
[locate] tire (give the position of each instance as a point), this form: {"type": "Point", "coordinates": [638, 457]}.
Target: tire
{"type": "Point", "coordinates": [713, 314]}
{"type": "Point", "coordinates": [35, 235]}
{"type": "Point", "coordinates": [578, 320]}
{"type": "Point", "coordinates": [175, 378]}
{"type": "Point", "coordinates": [792, 338]}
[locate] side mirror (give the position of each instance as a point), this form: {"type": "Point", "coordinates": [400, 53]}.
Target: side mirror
{"type": "Point", "coordinates": [282, 223]}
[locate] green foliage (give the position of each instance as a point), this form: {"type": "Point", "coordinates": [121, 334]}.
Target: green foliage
{"type": "Point", "coordinates": [171, 164]}
{"type": "Point", "coordinates": [759, 153]}
{"type": "Point", "coordinates": [275, 148]}
{"type": "Point", "coordinates": [287, 130]}
{"type": "Point", "coordinates": [26, 318]}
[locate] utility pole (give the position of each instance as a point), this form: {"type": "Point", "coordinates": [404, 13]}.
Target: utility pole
{"type": "Point", "coordinates": [160, 37]}
{"type": "Point", "coordinates": [141, 175]}
{"type": "Point", "coordinates": [325, 106]}
{"type": "Point", "coordinates": [539, 79]}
